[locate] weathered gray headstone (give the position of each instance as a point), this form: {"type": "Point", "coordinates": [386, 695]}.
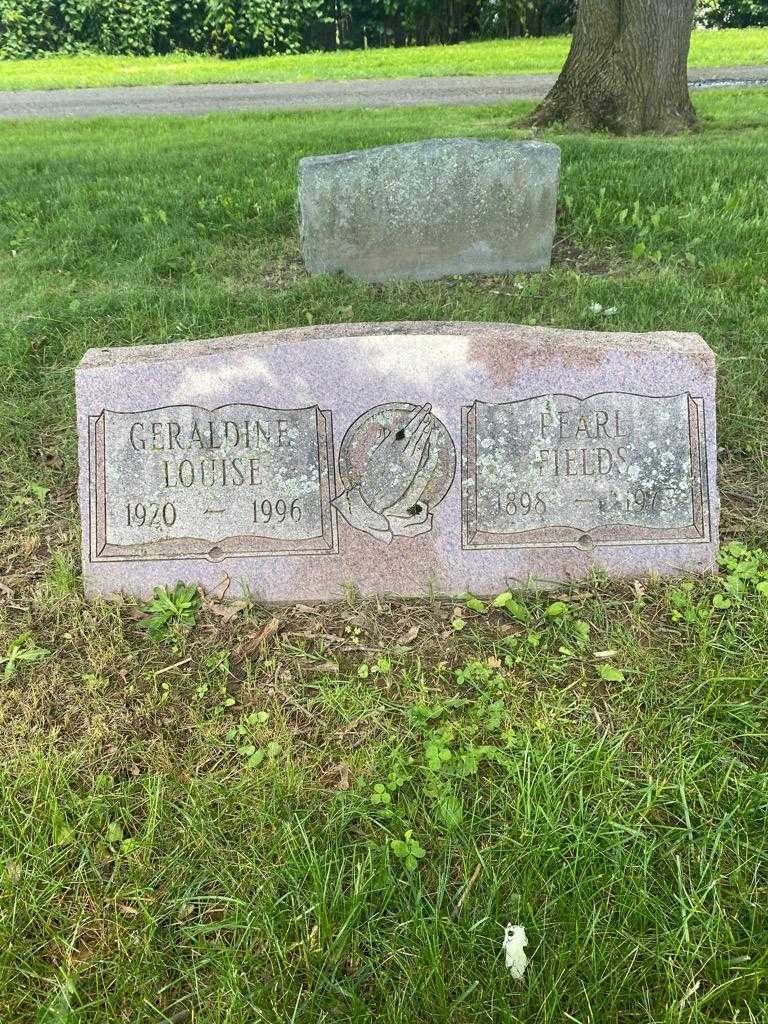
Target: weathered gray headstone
{"type": "Point", "coordinates": [398, 458]}
{"type": "Point", "coordinates": [427, 209]}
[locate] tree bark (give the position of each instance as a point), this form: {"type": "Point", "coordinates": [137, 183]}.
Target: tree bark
{"type": "Point", "coordinates": [626, 71]}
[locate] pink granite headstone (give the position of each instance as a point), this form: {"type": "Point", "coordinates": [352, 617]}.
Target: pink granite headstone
{"type": "Point", "coordinates": [405, 458]}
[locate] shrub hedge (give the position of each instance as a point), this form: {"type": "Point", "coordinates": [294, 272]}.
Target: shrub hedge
{"type": "Point", "coordinates": [239, 28]}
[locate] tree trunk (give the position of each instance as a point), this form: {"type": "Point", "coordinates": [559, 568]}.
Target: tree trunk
{"type": "Point", "coordinates": [626, 71]}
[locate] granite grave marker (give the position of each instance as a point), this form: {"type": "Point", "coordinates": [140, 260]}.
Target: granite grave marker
{"type": "Point", "coordinates": [422, 210]}
{"type": "Point", "coordinates": [406, 459]}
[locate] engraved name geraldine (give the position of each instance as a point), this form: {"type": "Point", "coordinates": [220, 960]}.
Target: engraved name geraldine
{"type": "Point", "coordinates": [183, 481]}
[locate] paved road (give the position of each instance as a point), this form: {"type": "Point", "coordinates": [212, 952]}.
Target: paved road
{"type": "Point", "coordinates": [391, 92]}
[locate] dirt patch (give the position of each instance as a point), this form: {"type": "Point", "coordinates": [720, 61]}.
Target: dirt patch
{"type": "Point", "coordinates": [567, 255]}
{"type": "Point", "coordinates": [288, 270]}
{"type": "Point", "coordinates": [282, 274]}
{"type": "Point", "coordinates": [744, 499]}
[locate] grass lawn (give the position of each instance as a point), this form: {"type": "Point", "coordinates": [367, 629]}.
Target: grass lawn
{"type": "Point", "coordinates": [495, 57]}
{"type": "Point", "coordinates": [196, 821]}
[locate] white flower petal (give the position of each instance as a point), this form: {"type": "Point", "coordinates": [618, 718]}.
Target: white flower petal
{"type": "Point", "coordinates": [515, 941]}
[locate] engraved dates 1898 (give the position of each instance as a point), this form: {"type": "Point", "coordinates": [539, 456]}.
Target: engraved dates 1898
{"type": "Point", "coordinates": [557, 470]}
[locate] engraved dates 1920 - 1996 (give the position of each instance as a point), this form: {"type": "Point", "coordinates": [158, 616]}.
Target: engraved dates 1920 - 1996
{"type": "Point", "coordinates": [183, 481]}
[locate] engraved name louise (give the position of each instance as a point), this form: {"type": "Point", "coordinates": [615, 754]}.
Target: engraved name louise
{"type": "Point", "coordinates": [557, 470]}
{"type": "Point", "coordinates": [185, 481]}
